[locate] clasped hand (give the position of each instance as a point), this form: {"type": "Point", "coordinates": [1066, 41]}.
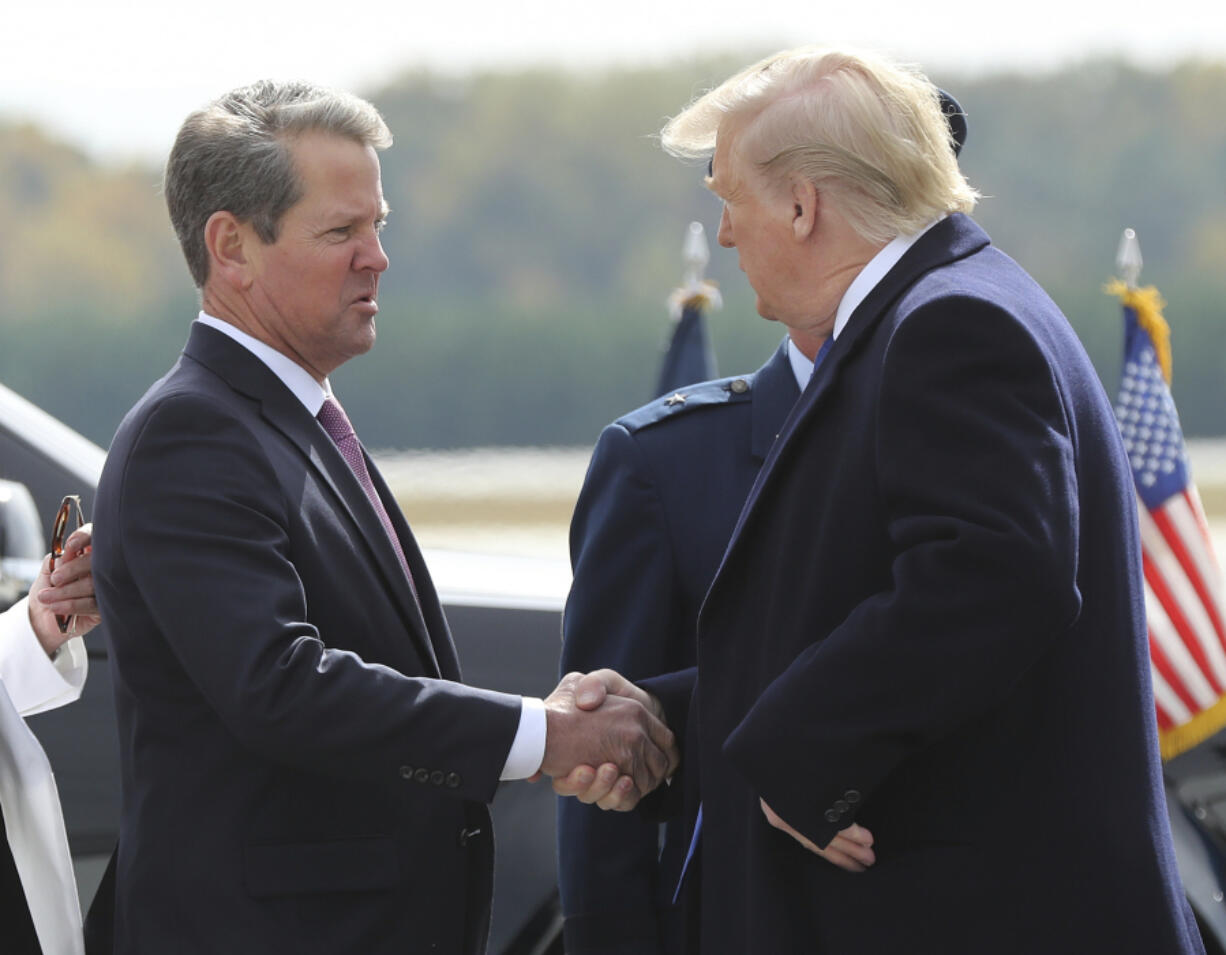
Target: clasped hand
{"type": "Point", "coordinates": [606, 741]}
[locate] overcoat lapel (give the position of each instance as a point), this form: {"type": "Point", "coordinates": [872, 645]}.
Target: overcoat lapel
{"type": "Point", "coordinates": [774, 395]}
{"type": "Point", "coordinates": [952, 238]}
{"type": "Point", "coordinates": [282, 410]}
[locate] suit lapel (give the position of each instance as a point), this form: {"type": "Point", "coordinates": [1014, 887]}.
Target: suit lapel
{"type": "Point", "coordinates": [283, 411]}
{"type": "Point", "coordinates": [774, 394]}
{"type": "Point", "coordinates": [954, 237]}
{"type": "Point", "coordinates": [427, 603]}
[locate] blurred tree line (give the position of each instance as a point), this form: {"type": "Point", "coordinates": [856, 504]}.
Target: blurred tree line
{"type": "Point", "coordinates": [536, 231]}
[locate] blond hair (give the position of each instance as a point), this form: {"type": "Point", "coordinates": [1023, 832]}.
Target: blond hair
{"type": "Point", "coordinates": [868, 132]}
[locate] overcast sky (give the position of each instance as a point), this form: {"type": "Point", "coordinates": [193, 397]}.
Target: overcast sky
{"type": "Point", "coordinates": [118, 77]}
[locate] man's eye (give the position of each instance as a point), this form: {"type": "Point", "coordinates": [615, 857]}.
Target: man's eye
{"type": "Point", "coordinates": [380, 225]}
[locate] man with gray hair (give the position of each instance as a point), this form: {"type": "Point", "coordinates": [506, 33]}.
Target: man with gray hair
{"type": "Point", "coordinates": [923, 716]}
{"type": "Point", "coordinates": [303, 770]}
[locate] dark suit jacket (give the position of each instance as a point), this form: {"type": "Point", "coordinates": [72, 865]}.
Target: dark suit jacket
{"type": "Point", "coordinates": [300, 771]}
{"type": "Point", "coordinates": [930, 620]}
{"type": "Point", "coordinates": [662, 494]}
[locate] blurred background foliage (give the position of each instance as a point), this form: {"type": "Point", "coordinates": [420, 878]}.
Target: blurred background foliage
{"type": "Point", "coordinates": [536, 231]}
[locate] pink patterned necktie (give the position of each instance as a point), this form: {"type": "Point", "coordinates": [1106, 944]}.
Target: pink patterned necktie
{"type": "Point", "coordinates": [334, 420]}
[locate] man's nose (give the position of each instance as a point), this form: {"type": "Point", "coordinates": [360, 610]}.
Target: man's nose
{"type": "Point", "coordinates": [371, 255]}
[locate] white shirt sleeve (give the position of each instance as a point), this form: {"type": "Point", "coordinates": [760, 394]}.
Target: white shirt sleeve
{"type": "Point", "coordinates": [528, 749]}
{"type": "Point", "coordinates": [34, 681]}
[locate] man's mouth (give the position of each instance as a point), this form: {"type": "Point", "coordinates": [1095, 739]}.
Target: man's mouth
{"type": "Point", "coordinates": [367, 302]}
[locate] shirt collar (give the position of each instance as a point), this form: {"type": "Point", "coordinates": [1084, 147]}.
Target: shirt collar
{"type": "Point", "coordinates": [802, 367]}
{"type": "Point", "coordinates": [874, 272]}
{"type": "Point", "coordinates": [296, 378]}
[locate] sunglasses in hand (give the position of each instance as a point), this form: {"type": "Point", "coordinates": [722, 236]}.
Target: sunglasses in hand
{"type": "Point", "coordinates": [70, 509]}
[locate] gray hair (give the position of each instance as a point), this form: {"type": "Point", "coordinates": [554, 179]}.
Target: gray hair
{"type": "Point", "coordinates": [234, 155]}
{"type": "Point", "coordinates": [869, 132]}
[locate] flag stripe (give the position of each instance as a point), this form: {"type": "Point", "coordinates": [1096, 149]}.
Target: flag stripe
{"type": "Point", "coordinates": [1189, 521]}
{"type": "Point", "coordinates": [1161, 665]}
{"type": "Point", "coordinates": [1181, 648]}
{"type": "Point", "coordinates": [1198, 512]}
{"type": "Point", "coordinates": [1182, 532]}
{"type": "Point", "coordinates": [1171, 711]}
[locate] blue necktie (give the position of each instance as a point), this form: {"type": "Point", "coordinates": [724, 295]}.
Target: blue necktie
{"type": "Point", "coordinates": [694, 839]}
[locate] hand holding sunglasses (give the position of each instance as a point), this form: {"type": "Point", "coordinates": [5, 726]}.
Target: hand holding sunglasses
{"type": "Point", "coordinates": [66, 583]}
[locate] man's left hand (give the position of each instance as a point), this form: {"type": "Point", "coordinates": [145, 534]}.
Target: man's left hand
{"type": "Point", "coordinates": [850, 849]}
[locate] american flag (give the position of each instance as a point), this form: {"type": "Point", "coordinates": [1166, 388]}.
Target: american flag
{"type": "Point", "coordinates": [1183, 588]}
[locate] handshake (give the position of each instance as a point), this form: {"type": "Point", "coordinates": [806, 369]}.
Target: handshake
{"type": "Point", "coordinates": [606, 741]}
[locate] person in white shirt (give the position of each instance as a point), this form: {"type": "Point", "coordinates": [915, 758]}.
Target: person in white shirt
{"type": "Point", "coordinates": [40, 668]}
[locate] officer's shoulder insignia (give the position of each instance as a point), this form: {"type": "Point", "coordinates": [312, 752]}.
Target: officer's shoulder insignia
{"type": "Point", "coordinates": [681, 401]}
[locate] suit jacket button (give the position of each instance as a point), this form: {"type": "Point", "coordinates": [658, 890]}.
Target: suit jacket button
{"type": "Point", "coordinates": [833, 815]}
{"type": "Point", "coordinates": [422, 775]}
{"type": "Point", "coordinates": [852, 796]}
{"type": "Point", "coordinates": [841, 806]}
{"type": "Point", "coordinates": [453, 780]}
{"type": "Point", "coordinates": [437, 777]}
{"type": "Point", "coordinates": [406, 772]}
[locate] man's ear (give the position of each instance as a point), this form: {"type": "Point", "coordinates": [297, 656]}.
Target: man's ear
{"type": "Point", "coordinates": [228, 243]}
{"type": "Point", "coordinates": [806, 206]}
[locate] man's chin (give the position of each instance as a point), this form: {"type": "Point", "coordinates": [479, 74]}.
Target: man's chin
{"type": "Point", "coordinates": [765, 312]}
{"type": "Point", "coordinates": [364, 339]}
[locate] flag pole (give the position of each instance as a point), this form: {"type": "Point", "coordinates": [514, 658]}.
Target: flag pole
{"type": "Point", "coordinates": [689, 357]}
{"type": "Point", "coordinates": [1128, 259]}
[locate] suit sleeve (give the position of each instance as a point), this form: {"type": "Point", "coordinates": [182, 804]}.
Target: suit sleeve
{"type": "Point", "coordinates": [623, 612]}
{"type": "Point", "coordinates": [202, 524]}
{"type": "Point", "coordinates": [974, 467]}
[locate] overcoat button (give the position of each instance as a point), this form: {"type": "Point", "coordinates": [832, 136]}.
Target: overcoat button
{"type": "Point", "coordinates": [852, 796]}
{"type": "Point", "coordinates": [453, 780]}
{"type": "Point", "coordinates": [406, 772]}
{"type": "Point", "coordinates": [832, 815]}
{"type": "Point", "coordinates": [841, 806]}
{"type": "Point", "coordinates": [422, 775]}
{"type": "Point", "coordinates": [437, 777]}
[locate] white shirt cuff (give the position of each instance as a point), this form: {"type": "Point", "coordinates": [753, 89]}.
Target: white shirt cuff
{"type": "Point", "coordinates": [528, 749]}
{"type": "Point", "coordinates": [33, 681]}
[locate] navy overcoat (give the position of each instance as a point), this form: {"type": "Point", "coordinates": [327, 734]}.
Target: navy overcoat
{"type": "Point", "coordinates": [930, 621]}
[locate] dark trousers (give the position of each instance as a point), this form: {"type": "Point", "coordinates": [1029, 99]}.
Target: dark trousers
{"type": "Point", "coordinates": [16, 927]}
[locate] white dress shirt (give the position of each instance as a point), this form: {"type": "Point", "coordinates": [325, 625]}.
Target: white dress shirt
{"type": "Point", "coordinates": [528, 748]}
{"type": "Point", "coordinates": [31, 683]}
